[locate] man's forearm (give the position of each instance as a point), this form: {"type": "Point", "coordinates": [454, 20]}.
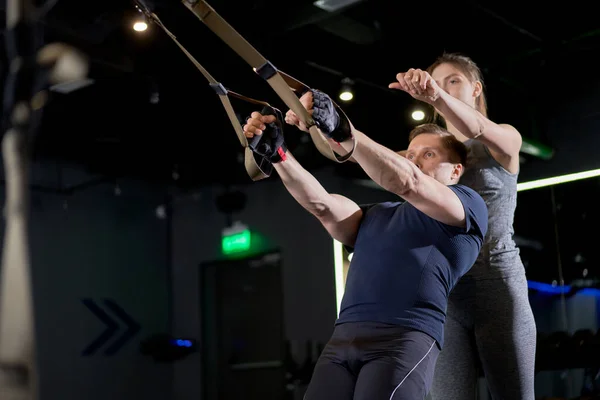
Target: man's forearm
{"type": "Point", "coordinates": [303, 186]}
{"type": "Point", "coordinates": [385, 167]}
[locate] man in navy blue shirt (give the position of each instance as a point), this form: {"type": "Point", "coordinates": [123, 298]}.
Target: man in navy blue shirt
{"type": "Point", "coordinates": [407, 255]}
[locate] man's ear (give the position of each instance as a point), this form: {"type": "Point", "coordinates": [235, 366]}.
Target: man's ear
{"type": "Point", "coordinates": [457, 171]}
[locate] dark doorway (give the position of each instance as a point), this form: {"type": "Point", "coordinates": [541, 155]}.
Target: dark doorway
{"type": "Point", "coordinates": [242, 328]}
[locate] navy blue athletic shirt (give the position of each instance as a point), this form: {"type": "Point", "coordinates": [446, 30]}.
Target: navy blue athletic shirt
{"type": "Point", "coordinates": [405, 264]}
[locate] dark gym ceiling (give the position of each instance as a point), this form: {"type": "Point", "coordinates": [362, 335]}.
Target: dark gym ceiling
{"type": "Point", "coordinates": [149, 111]}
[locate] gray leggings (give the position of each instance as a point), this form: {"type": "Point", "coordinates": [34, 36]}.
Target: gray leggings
{"type": "Point", "coordinates": [490, 319]}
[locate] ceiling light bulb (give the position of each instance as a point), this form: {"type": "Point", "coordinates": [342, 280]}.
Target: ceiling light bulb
{"type": "Point", "coordinates": [140, 26]}
{"type": "Point", "coordinates": [418, 115]}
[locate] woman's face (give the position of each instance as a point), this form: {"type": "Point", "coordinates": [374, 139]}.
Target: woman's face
{"type": "Point", "coordinates": [456, 83]}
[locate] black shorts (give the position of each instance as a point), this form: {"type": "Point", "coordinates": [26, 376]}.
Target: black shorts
{"type": "Point", "coordinates": [374, 361]}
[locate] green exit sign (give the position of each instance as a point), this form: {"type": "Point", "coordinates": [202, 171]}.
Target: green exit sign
{"type": "Point", "coordinates": [236, 242]}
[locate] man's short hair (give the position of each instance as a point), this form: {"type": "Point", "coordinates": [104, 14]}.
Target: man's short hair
{"type": "Point", "coordinates": [456, 149]}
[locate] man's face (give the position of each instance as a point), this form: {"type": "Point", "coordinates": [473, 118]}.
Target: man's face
{"type": "Point", "coordinates": [427, 152]}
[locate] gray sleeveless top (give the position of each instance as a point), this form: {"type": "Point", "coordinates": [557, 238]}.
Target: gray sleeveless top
{"type": "Point", "coordinates": [499, 256]}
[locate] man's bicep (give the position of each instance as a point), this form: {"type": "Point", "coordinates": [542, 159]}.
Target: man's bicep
{"type": "Point", "coordinates": [437, 201]}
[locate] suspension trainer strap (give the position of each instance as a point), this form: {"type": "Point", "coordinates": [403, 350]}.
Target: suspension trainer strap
{"type": "Point", "coordinates": [286, 87]}
{"type": "Point", "coordinates": [257, 167]}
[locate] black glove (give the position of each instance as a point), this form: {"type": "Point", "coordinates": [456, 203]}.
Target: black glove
{"type": "Point", "coordinates": [330, 122]}
{"type": "Point", "coordinates": [271, 143]}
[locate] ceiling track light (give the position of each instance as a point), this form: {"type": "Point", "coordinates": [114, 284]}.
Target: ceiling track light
{"type": "Point", "coordinates": [346, 91]}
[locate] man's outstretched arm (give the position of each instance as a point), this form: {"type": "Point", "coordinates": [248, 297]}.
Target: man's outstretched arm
{"type": "Point", "coordinates": [402, 177]}
{"type": "Point", "coordinates": [387, 168]}
{"type": "Point", "coordinates": [338, 214]}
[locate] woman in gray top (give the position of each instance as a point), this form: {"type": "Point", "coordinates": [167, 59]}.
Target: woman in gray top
{"type": "Point", "coordinates": [489, 316]}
